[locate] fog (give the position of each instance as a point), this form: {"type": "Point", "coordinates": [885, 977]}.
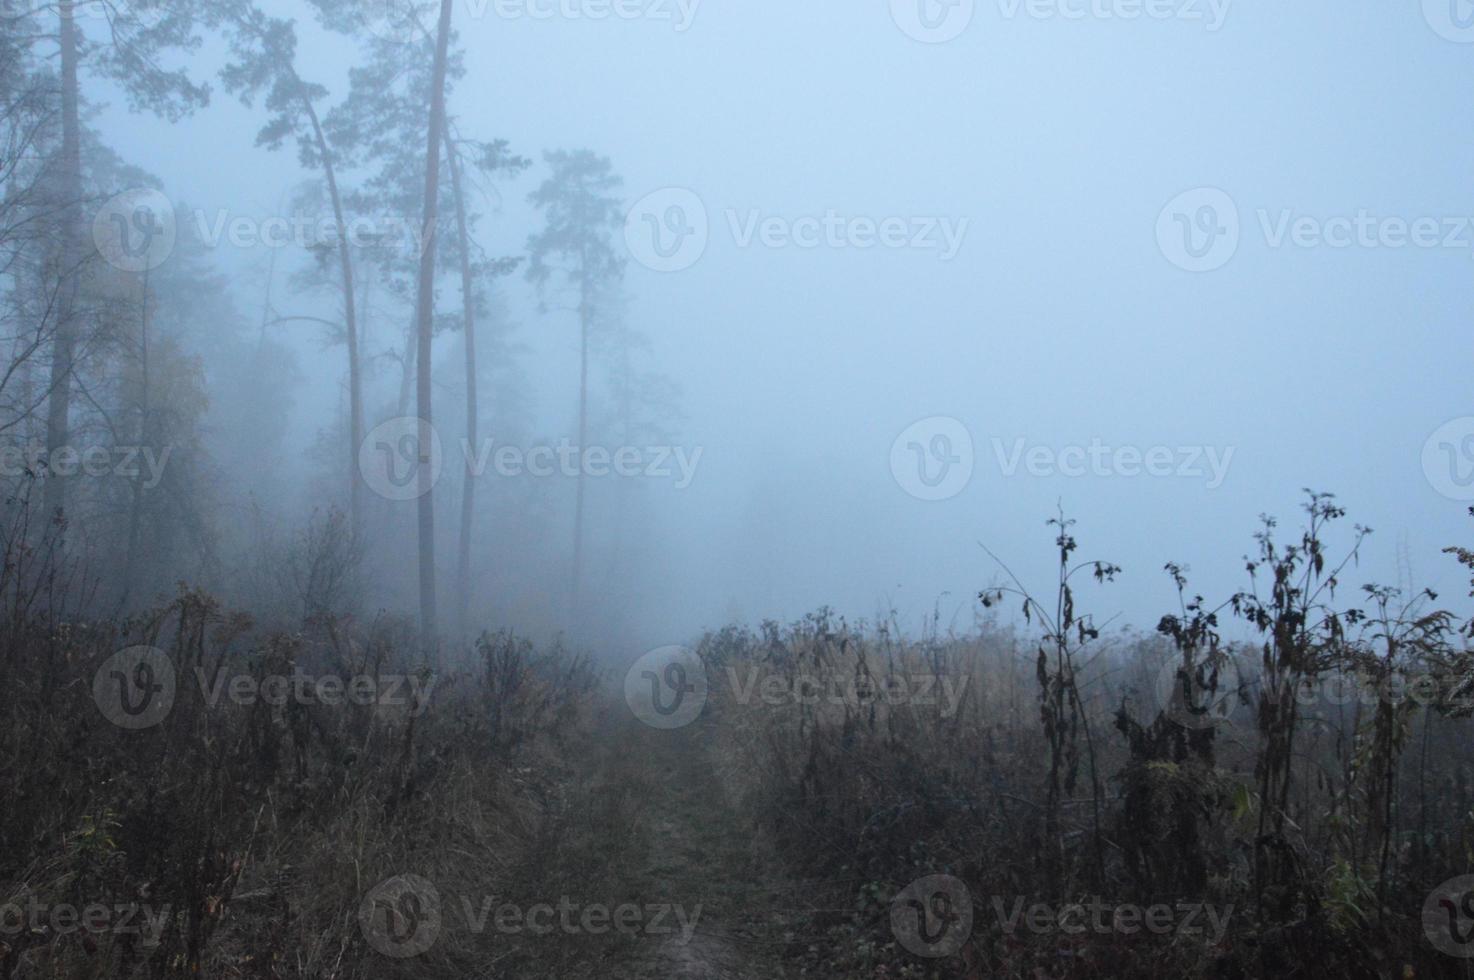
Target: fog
{"type": "Point", "coordinates": [495, 346]}
{"type": "Point", "coordinates": [1053, 145]}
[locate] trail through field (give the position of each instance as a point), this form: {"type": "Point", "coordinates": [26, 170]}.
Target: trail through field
{"type": "Point", "coordinates": [698, 855]}
{"type": "Point", "coordinates": [648, 821]}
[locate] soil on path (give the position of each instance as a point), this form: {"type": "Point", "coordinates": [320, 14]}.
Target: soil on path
{"type": "Point", "coordinates": [648, 822]}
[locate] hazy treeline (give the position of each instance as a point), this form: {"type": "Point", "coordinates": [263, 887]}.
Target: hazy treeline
{"type": "Point", "coordinates": [308, 652]}
{"type": "Point", "coordinates": [149, 390]}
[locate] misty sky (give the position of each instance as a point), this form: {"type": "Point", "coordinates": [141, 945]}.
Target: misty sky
{"type": "Point", "coordinates": [1060, 321]}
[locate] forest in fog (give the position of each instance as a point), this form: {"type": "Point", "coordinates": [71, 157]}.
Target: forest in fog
{"type": "Point", "coordinates": [644, 488]}
{"type": "Point", "coordinates": [149, 393]}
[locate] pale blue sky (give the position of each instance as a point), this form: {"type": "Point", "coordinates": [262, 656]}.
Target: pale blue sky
{"type": "Point", "coordinates": [1059, 322]}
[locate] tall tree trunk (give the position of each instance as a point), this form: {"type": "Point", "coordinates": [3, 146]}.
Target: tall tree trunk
{"type": "Point", "coordinates": [69, 207]}
{"type": "Point", "coordinates": [350, 318]}
{"type": "Point", "coordinates": [345, 262]}
{"type": "Point", "coordinates": [583, 428]}
{"type": "Point", "coordinates": [627, 428]}
{"type": "Point", "coordinates": [468, 305]}
{"type": "Point", "coordinates": [407, 364]}
{"type": "Point", "coordinates": [267, 311]}
{"type": "Point", "coordinates": [426, 320]}
{"type": "Point", "coordinates": [135, 508]}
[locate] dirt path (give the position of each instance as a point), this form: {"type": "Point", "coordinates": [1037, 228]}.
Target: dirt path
{"type": "Point", "coordinates": [701, 854]}
{"type": "Point", "coordinates": [649, 823]}
{"type": "Point", "coordinates": [699, 851]}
